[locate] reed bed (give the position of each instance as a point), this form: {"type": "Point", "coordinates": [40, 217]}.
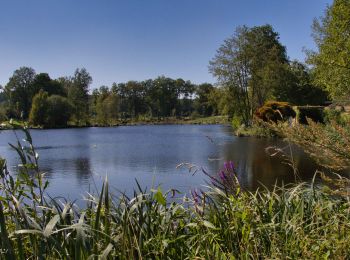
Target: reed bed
{"type": "Point", "coordinates": [225, 222]}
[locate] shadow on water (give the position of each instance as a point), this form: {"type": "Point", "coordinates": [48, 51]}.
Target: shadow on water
{"type": "Point", "coordinates": [77, 159]}
{"type": "Point", "coordinates": [256, 167]}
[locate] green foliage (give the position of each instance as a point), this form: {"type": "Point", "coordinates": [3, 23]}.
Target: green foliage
{"type": "Point", "coordinates": [275, 111]}
{"type": "Point", "coordinates": [3, 113]}
{"type": "Point", "coordinates": [53, 111]}
{"type": "Point", "coordinates": [314, 113]}
{"type": "Point", "coordinates": [203, 104]}
{"type": "Point", "coordinates": [19, 91]}
{"type": "Point", "coordinates": [236, 122]}
{"type": "Point", "coordinates": [332, 60]}
{"type": "Point", "coordinates": [257, 129]}
{"type": "Point", "coordinates": [59, 111]}
{"type": "Point", "coordinates": [249, 64]}
{"type": "Point", "coordinates": [298, 88]}
{"type": "Point", "coordinates": [43, 82]}
{"type": "Point", "coordinates": [107, 106]}
{"type": "Point", "coordinates": [78, 94]}
{"type": "Point", "coordinates": [330, 115]}
{"type": "Point", "coordinates": [328, 144]}
{"type": "Point", "coordinates": [38, 112]}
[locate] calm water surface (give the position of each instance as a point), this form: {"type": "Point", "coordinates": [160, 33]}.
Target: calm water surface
{"type": "Point", "coordinates": [77, 160]}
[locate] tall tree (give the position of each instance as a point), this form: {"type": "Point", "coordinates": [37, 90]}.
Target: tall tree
{"type": "Point", "coordinates": [331, 61]}
{"type": "Point", "coordinates": [107, 105]}
{"type": "Point", "coordinates": [298, 88]}
{"type": "Point", "coordinates": [202, 103]}
{"type": "Point", "coordinates": [249, 64]}
{"type": "Point", "coordinates": [78, 94]}
{"type": "Point", "coordinates": [44, 82]}
{"type": "Point", "coordinates": [38, 112]}
{"type": "Point", "coordinates": [19, 91]}
{"type": "Point", "coordinates": [267, 61]}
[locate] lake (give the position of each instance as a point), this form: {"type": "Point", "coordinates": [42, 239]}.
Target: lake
{"type": "Point", "coordinates": [78, 160]}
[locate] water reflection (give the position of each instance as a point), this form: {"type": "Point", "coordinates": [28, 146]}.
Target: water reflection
{"type": "Point", "coordinates": [77, 159]}
{"type": "Point", "coordinates": [257, 168]}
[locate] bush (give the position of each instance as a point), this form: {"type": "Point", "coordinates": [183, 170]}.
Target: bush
{"type": "Point", "coordinates": [330, 115]}
{"type": "Point", "coordinates": [275, 111]}
{"type": "Point", "coordinates": [236, 122]}
{"type": "Point", "coordinates": [53, 111]}
{"type": "Point", "coordinates": [59, 111]}
{"type": "Point", "coordinates": [315, 113]}
{"type": "Point", "coordinates": [3, 113]}
{"type": "Point", "coordinates": [38, 112]}
{"type": "Point", "coordinates": [328, 145]}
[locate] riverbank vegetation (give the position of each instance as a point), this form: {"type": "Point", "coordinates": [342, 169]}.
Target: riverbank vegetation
{"type": "Point", "coordinates": [301, 221]}
{"type": "Point", "coordinates": [223, 222]}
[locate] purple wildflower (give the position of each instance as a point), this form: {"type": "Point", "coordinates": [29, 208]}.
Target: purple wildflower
{"type": "Point", "coordinates": [195, 196]}
{"type": "Point", "coordinates": [232, 165]}
{"type": "Point", "coordinates": [222, 175]}
{"type": "Point", "coordinates": [226, 166]}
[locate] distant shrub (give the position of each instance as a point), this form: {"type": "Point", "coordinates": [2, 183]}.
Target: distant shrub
{"type": "Point", "coordinates": [38, 112]}
{"type": "Point", "coordinates": [336, 115]}
{"type": "Point", "coordinates": [59, 111]}
{"type": "Point", "coordinates": [236, 122]}
{"type": "Point", "coordinates": [330, 115]}
{"type": "Point", "coordinates": [3, 113]}
{"type": "Point", "coordinates": [315, 113]}
{"type": "Point", "coordinates": [275, 111]}
{"type": "Point", "coordinates": [195, 115]}
{"type": "Point", "coordinates": [258, 128]}
{"type": "Point", "coordinates": [50, 111]}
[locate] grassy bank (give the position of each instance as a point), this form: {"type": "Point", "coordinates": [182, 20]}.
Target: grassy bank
{"type": "Point", "coordinates": [226, 222]}
{"type": "Point", "coordinates": [169, 121]}
{"type": "Point", "coordinates": [129, 122]}
{"type": "Point", "coordinates": [257, 129]}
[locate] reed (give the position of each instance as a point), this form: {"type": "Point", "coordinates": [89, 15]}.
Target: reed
{"type": "Point", "coordinates": [225, 222]}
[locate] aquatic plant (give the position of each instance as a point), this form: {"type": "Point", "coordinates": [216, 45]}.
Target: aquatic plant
{"type": "Point", "coordinates": [223, 222]}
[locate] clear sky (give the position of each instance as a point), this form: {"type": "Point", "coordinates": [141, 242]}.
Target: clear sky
{"type": "Point", "coordinates": [117, 41]}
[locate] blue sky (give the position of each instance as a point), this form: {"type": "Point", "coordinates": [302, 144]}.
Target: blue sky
{"type": "Point", "coordinates": [117, 41]}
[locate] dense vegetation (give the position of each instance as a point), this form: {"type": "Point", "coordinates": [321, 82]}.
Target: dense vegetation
{"type": "Point", "coordinates": [304, 221]}
{"type": "Point", "coordinates": [51, 103]}
{"type": "Point", "coordinates": [252, 67]}
{"type": "Point", "coordinates": [225, 222]}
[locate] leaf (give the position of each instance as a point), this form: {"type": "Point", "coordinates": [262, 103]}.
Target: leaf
{"type": "Point", "coordinates": [106, 252]}
{"type": "Point", "coordinates": [208, 224]}
{"type": "Point", "coordinates": [158, 196]}
{"type": "Point", "coordinates": [50, 226]}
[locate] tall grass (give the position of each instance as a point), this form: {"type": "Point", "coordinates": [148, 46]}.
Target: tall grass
{"type": "Point", "coordinates": [223, 223]}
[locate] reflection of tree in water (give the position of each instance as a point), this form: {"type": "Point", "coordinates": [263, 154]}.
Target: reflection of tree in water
{"type": "Point", "coordinates": [83, 169]}
{"type": "Point", "coordinates": [257, 168]}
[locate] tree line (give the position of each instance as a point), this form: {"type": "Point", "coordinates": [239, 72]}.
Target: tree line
{"type": "Point", "coordinates": [69, 100]}
{"type": "Point", "coordinates": [251, 68]}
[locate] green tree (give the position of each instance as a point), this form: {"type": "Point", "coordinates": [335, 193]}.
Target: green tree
{"type": "Point", "coordinates": [202, 102]}
{"type": "Point", "coordinates": [78, 94]}
{"type": "Point", "coordinates": [298, 88]}
{"type": "Point", "coordinates": [38, 112]}
{"type": "Point", "coordinates": [249, 65]}
{"type": "Point", "coordinates": [107, 106]}
{"type": "Point", "coordinates": [267, 61]}
{"type": "Point", "coordinates": [331, 61]}
{"type": "Point", "coordinates": [59, 111]}
{"type": "Point", "coordinates": [44, 82]}
{"type": "Point", "coordinates": [19, 91]}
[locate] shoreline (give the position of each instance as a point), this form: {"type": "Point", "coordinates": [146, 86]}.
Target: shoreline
{"type": "Point", "coordinates": [214, 120]}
